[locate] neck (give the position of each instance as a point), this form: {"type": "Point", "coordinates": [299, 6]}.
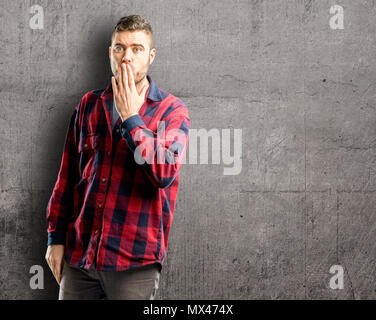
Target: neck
{"type": "Point", "coordinates": [140, 85]}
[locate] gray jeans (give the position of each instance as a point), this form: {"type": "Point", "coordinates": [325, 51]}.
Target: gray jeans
{"type": "Point", "coordinates": [135, 284]}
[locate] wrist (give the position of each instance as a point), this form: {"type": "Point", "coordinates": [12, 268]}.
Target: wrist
{"type": "Point", "coordinates": [126, 116]}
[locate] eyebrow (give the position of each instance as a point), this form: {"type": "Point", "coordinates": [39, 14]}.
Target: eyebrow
{"type": "Point", "coordinates": [132, 45]}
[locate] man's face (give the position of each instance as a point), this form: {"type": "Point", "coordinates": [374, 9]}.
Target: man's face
{"type": "Point", "coordinates": [131, 47]}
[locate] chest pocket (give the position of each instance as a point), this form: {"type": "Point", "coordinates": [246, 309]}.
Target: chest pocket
{"type": "Point", "coordinates": [88, 155]}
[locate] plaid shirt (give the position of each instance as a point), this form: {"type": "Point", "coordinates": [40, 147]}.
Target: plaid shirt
{"type": "Point", "coordinates": [108, 206]}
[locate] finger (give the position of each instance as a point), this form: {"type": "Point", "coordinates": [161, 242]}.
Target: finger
{"type": "Point", "coordinates": [125, 78]}
{"type": "Point", "coordinates": [58, 273]}
{"type": "Point", "coordinates": [53, 268]}
{"type": "Point", "coordinates": [120, 79]}
{"type": "Point", "coordinates": [114, 85]}
{"type": "Point", "coordinates": [131, 82]}
{"type": "Point", "coordinates": [58, 270]}
{"type": "Point", "coordinates": [57, 277]}
{"type": "Point", "coordinates": [49, 264]}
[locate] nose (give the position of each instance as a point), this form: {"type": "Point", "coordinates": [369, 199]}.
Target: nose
{"type": "Point", "coordinates": [127, 56]}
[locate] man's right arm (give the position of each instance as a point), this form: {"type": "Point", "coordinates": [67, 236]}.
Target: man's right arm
{"type": "Point", "coordinates": [61, 204]}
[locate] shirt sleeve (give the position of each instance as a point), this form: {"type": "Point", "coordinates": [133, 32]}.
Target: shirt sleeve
{"type": "Point", "coordinates": [159, 153]}
{"type": "Point", "coordinates": [61, 203]}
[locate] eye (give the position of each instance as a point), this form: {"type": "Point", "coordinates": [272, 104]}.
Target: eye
{"type": "Point", "coordinates": [118, 49]}
{"type": "Point", "coordinates": [138, 49]}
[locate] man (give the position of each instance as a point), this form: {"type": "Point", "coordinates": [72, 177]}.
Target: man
{"type": "Point", "coordinates": [111, 209]}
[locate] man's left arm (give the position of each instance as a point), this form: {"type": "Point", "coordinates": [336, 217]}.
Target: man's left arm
{"type": "Point", "coordinates": [159, 153]}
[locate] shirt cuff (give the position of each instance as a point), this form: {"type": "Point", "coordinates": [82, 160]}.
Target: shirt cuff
{"type": "Point", "coordinates": [56, 238]}
{"type": "Point", "coordinates": [130, 123]}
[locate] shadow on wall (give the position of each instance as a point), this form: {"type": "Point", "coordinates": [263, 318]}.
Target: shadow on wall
{"type": "Point", "coordinates": [93, 62]}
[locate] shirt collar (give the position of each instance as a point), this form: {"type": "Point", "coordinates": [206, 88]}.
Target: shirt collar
{"type": "Point", "coordinates": [154, 93]}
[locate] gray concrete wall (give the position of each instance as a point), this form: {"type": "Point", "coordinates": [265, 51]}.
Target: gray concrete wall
{"type": "Point", "coordinates": [302, 93]}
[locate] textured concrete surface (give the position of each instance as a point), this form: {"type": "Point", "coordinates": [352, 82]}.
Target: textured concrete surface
{"type": "Point", "coordinates": [303, 94]}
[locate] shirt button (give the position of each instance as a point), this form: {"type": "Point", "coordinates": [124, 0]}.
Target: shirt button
{"type": "Point", "coordinates": [108, 152]}
{"type": "Point", "coordinates": [122, 130]}
{"type": "Point", "coordinates": [100, 205]}
{"type": "Point", "coordinates": [117, 130]}
{"type": "Point", "coordinates": [96, 231]}
{"type": "Point", "coordinates": [85, 145]}
{"type": "Point", "coordinates": [103, 180]}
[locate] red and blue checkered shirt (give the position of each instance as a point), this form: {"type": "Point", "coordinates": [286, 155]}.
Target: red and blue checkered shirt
{"type": "Point", "coordinates": [108, 206]}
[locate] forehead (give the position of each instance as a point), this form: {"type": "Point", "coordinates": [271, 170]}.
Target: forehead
{"type": "Point", "coordinates": [130, 37]}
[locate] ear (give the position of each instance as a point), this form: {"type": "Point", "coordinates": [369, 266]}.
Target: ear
{"type": "Point", "coordinates": [109, 52]}
{"type": "Point", "coordinates": [152, 55]}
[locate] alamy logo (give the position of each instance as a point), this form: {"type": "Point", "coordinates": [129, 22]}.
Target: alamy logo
{"type": "Point", "coordinates": [170, 147]}
{"type": "Point", "coordinates": [37, 20]}
{"type": "Point", "coordinates": [336, 21]}
{"type": "Point", "coordinates": [336, 281]}
{"type": "Point", "coordinates": [37, 280]}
